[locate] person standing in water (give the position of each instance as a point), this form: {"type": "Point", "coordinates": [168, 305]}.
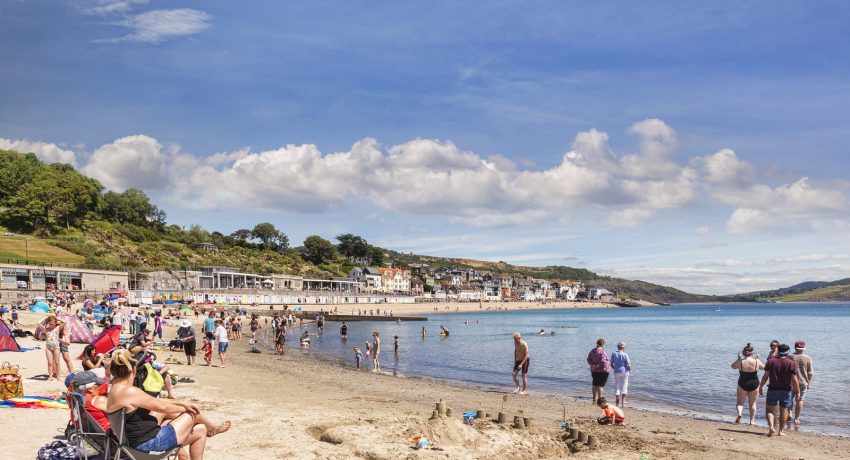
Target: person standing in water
{"type": "Point", "coordinates": [376, 351]}
{"type": "Point", "coordinates": [521, 361]}
{"type": "Point", "coordinates": [395, 344]}
{"type": "Point", "coordinates": [805, 372]}
{"type": "Point", "coordinates": [781, 371]}
{"type": "Point", "coordinates": [599, 368]}
{"type": "Point", "coordinates": [622, 366]}
{"type": "Point", "coordinates": [343, 330]}
{"type": "Point", "coordinates": [748, 382]}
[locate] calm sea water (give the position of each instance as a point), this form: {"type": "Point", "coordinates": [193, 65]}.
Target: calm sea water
{"type": "Point", "coordinates": [681, 354]}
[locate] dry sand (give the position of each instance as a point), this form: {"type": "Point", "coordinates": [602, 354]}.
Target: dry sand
{"type": "Point", "coordinates": [305, 406]}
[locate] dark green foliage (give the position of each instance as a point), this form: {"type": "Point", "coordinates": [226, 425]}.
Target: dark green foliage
{"type": "Point", "coordinates": [318, 250]}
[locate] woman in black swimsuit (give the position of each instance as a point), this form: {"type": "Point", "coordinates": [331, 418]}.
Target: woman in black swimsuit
{"type": "Point", "coordinates": [156, 424]}
{"type": "Point", "coordinates": [748, 366]}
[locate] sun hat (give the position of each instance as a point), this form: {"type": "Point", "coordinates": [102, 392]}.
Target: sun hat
{"type": "Point", "coordinates": [185, 323]}
{"type": "Point", "coordinates": [800, 345]}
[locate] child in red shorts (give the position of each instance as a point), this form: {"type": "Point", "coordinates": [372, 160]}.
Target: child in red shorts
{"type": "Point", "coordinates": [612, 415]}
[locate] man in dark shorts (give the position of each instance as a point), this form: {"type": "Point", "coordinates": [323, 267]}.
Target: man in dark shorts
{"type": "Point", "coordinates": [343, 331]}
{"type": "Point", "coordinates": [186, 333]}
{"type": "Point", "coordinates": [521, 360]}
{"type": "Point", "coordinates": [781, 370]}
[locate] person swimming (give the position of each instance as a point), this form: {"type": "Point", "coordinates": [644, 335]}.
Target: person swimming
{"type": "Point", "coordinates": [445, 330]}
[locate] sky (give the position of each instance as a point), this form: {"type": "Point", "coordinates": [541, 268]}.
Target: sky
{"type": "Point", "coordinates": [701, 145]}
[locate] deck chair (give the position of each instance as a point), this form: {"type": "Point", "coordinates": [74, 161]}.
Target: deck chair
{"type": "Point", "coordinates": [123, 449]}
{"type": "Point", "coordinates": [85, 429]}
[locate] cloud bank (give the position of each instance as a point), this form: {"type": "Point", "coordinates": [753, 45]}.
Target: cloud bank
{"type": "Point", "coordinates": [429, 176]}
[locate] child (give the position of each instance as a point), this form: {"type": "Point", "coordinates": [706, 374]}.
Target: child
{"type": "Point", "coordinates": [207, 349]}
{"type": "Point", "coordinates": [395, 344]}
{"type": "Point", "coordinates": [368, 348]}
{"type": "Point", "coordinates": [358, 356]}
{"type": "Point", "coordinates": [613, 415]}
{"type": "Point", "coordinates": [280, 341]}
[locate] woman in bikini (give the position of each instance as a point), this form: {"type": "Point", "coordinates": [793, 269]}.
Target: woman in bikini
{"type": "Point", "coordinates": [748, 366]}
{"type": "Point", "coordinates": [52, 329]}
{"type": "Point", "coordinates": [156, 424]}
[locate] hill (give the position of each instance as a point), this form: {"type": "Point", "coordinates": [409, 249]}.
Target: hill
{"type": "Point", "coordinates": [809, 291]}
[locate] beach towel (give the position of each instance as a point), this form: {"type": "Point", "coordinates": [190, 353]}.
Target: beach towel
{"type": "Point", "coordinates": [34, 402]}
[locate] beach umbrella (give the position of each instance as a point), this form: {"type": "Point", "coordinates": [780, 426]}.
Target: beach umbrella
{"type": "Point", "coordinates": [107, 340]}
{"type": "Point", "coordinates": [40, 307]}
{"type": "Point", "coordinates": [186, 311]}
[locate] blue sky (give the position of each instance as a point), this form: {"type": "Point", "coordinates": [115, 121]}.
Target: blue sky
{"type": "Point", "coordinates": [697, 144]}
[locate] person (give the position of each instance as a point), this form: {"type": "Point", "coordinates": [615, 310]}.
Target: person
{"type": "Point", "coordinates": [305, 340]}
{"type": "Point", "coordinates": [343, 330]}
{"type": "Point", "coordinates": [774, 345]}
{"type": "Point", "coordinates": [521, 362]}
{"type": "Point", "coordinates": [92, 387]}
{"type": "Point", "coordinates": [781, 371]}
{"type": "Point", "coordinates": [209, 323]}
{"type": "Point", "coordinates": [424, 331]}
{"type": "Point", "coordinates": [157, 325]}
{"type": "Point", "coordinates": [255, 325]}
{"type": "Point", "coordinates": [237, 327]}
{"type": "Point", "coordinates": [599, 368]}
{"type": "Point", "coordinates": [280, 341]}
{"type": "Point", "coordinates": [221, 334]}
{"type": "Point", "coordinates": [358, 357]}
{"type": "Point", "coordinates": [376, 352]}
{"type": "Point", "coordinates": [748, 382]}
{"type": "Point", "coordinates": [117, 318]}
{"type": "Point", "coordinates": [52, 328]}
{"type": "Point", "coordinates": [805, 372]}
{"type": "Point", "coordinates": [368, 346]}
{"type": "Point", "coordinates": [91, 358]}
{"type": "Point", "coordinates": [445, 330]}
{"type": "Point", "coordinates": [542, 332]}
{"type": "Point", "coordinates": [395, 344]}
{"type": "Point", "coordinates": [611, 415]}
{"type": "Point", "coordinates": [207, 348]}
{"type": "Point", "coordinates": [622, 367]}
{"type": "Point", "coordinates": [132, 321]}
{"type": "Point", "coordinates": [186, 334]}
{"type": "Point", "coordinates": [64, 343]}
{"type": "Point", "coordinates": [320, 324]}
{"type": "Point", "coordinates": [155, 424]}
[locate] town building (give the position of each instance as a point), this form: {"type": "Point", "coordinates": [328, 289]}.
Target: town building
{"type": "Point", "coordinates": [49, 278]}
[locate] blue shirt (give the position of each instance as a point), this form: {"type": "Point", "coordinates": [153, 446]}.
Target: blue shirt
{"type": "Point", "coordinates": [209, 325]}
{"type": "Point", "coordinates": [620, 361]}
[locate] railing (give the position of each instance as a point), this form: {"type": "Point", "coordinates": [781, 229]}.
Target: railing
{"type": "Point", "coordinates": [43, 264]}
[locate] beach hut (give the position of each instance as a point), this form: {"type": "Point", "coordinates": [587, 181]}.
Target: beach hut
{"type": "Point", "coordinates": [77, 331]}
{"type": "Point", "coordinates": [7, 340]}
{"type": "Point", "coordinates": [40, 307]}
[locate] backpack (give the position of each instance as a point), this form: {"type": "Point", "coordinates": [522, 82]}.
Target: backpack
{"type": "Point", "coordinates": [58, 450]}
{"type": "Point", "coordinates": [149, 380]}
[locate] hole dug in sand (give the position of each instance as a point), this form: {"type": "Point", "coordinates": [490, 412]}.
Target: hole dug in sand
{"type": "Point", "coordinates": [336, 434]}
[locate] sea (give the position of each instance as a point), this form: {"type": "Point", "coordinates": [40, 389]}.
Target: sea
{"type": "Point", "coordinates": [681, 354]}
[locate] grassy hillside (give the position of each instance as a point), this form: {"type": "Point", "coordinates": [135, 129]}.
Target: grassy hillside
{"type": "Point", "coordinates": [836, 291]}
{"type": "Point", "coordinates": [36, 250]}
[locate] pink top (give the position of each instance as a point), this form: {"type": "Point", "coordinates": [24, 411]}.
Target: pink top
{"type": "Point", "coordinates": [598, 360]}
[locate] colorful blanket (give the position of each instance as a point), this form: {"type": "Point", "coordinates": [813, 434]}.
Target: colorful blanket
{"type": "Point", "coordinates": [34, 402]}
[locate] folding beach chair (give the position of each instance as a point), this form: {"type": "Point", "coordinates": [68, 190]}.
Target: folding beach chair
{"type": "Point", "coordinates": [123, 449]}
{"type": "Point", "coordinates": [85, 430]}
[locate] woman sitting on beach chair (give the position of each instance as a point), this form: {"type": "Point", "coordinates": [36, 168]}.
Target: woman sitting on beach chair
{"type": "Point", "coordinates": [154, 424]}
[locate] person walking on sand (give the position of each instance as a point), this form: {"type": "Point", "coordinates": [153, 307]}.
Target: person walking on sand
{"type": "Point", "coordinates": [599, 368]}
{"type": "Point", "coordinates": [221, 334]}
{"type": "Point", "coordinates": [521, 362]}
{"type": "Point", "coordinates": [622, 366]}
{"type": "Point", "coordinates": [805, 372]}
{"type": "Point", "coordinates": [782, 373]}
{"type": "Point", "coordinates": [748, 382]}
{"type": "Point", "coordinates": [376, 351]}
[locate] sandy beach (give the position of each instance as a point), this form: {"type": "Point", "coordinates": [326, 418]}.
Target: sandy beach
{"type": "Point", "coordinates": [302, 405]}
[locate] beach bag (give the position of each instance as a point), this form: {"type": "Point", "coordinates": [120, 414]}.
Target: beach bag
{"type": "Point", "coordinates": [149, 380]}
{"type": "Point", "coordinates": [58, 450]}
{"type": "Point", "coordinates": [11, 383]}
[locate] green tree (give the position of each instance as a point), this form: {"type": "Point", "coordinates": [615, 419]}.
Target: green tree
{"type": "Point", "coordinates": [376, 255]}
{"type": "Point", "coordinates": [270, 236]}
{"type": "Point", "coordinates": [352, 245]}
{"type": "Point", "coordinates": [132, 206]}
{"type": "Point", "coordinates": [318, 250]}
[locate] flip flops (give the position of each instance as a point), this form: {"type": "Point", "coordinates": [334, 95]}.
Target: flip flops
{"type": "Point", "coordinates": [186, 380]}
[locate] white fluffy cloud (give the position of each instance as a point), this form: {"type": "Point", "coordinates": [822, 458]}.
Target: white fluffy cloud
{"type": "Point", "coordinates": [48, 153]}
{"type": "Point", "coordinates": [427, 176]}
{"type": "Point", "coordinates": [132, 161]}
{"type": "Point", "coordinates": [157, 26]}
